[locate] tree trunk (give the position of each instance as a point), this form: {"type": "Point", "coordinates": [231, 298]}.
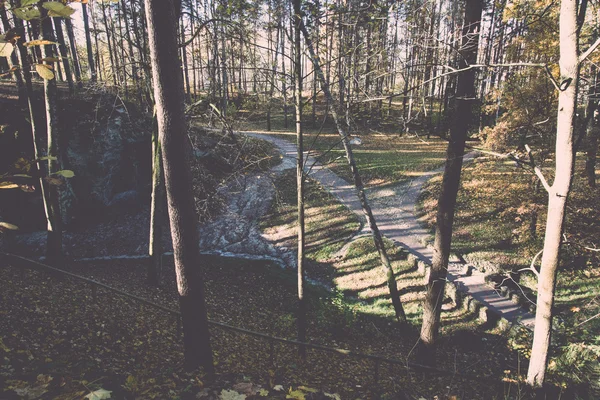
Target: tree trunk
{"type": "Point", "coordinates": [14, 60]}
{"type": "Point", "coordinates": [62, 48]}
{"type": "Point", "coordinates": [99, 58]}
{"type": "Point", "coordinates": [25, 71]}
{"type": "Point", "coordinates": [360, 191]}
{"type": "Point", "coordinates": [74, 55]}
{"type": "Point", "coordinates": [283, 77]}
{"type": "Point", "coordinates": [88, 43]}
{"type": "Point", "coordinates": [273, 73]}
{"type": "Point", "coordinates": [592, 152]}
{"type": "Point", "coordinates": [465, 95]}
{"type": "Point", "coordinates": [23, 59]}
{"type": "Point", "coordinates": [156, 211]}
{"type": "Point", "coordinates": [299, 177]}
{"type": "Point", "coordinates": [314, 79]}
{"type": "Point", "coordinates": [110, 47]}
{"type": "Point", "coordinates": [186, 75]}
{"type": "Point", "coordinates": [558, 192]}
{"type": "Point", "coordinates": [162, 17]}
{"type": "Point", "coordinates": [132, 60]}
{"type": "Point", "coordinates": [53, 218]}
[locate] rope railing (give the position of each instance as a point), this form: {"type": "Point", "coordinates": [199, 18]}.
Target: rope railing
{"type": "Point", "coordinates": [408, 366]}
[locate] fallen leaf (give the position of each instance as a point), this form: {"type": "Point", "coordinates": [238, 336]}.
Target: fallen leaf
{"type": "Point", "coordinates": [99, 394]}
{"type": "Point", "coordinates": [231, 395]}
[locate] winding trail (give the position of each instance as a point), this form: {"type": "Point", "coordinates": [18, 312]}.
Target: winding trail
{"type": "Point", "coordinates": [394, 208]}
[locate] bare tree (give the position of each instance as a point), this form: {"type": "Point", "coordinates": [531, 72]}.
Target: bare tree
{"type": "Point", "coordinates": [360, 190]}
{"type": "Point", "coordinates": [53, 217]}
{"type": "Point", "coordinates": [558, 192]}
{"type": "Point", "coordinates": [465, 95]}
{"type": "Point", "coordinates": [299, 174]}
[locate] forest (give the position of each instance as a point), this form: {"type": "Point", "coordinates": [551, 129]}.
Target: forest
{"type": "Point", "coordinates": [313, 199]}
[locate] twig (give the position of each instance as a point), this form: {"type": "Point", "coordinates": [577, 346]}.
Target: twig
{"type": "Point", "coordinates": [587, 320]}
{"type": "Point", "coordinates": [537, 170]}
{"type": "Point", "coordinates": [589, 51]}
{"type": "Point", "coordinates": [532, 266]}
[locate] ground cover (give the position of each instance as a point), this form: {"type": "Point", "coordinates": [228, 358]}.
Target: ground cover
{"type": "Point", "coordinates": [57, 339]}
{"type": "Point", "coordinates": [499, 226]}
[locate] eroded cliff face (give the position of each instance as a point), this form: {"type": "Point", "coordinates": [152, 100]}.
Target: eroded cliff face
{"type": "Point", "coordinates": [105, 142]}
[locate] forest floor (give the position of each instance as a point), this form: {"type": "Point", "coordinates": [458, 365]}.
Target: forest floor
{"type": "Point", "coordinates": [56, 350]}
{"type": "Point", "coordinates": [94, 345]}
{"type": "Point", "coordinates": [60, 342]}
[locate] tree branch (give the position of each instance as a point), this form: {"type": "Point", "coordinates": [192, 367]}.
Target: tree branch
{"type": "Point", "coordinates": [537, 170]}
{"type": "Point", "coordinates": [532, 266]}
{"type": "Point", "coordinates": [589, 51]}
{"type": "Point", "coordinates": [202, 25]}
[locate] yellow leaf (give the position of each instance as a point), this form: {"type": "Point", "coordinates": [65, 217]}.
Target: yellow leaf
{"type": "Point", "coordinates": [8, 185]}
{"type": "Point", "coordinates": [58, 9]}
{"type": "Point", "coordinates": [307, 389]}
{"type": "Point", "coordinates": [44, 71]}
{"type": "Point", "coordinates": [6, 225]}
{"type": "Point", "coordinates": [296, 395]}
{"type": "Point", "coordinates": [6, 48]}
{"type": "Point", "coordinates": [38, 42]}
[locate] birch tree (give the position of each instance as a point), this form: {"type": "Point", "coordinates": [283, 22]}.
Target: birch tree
{"type": "Point", "coordinates": [558, 193]}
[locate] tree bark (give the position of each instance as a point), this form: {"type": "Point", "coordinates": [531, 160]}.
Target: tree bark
{"type": "Point", "coordinates": [465, 95]}
{"type": "Point", "coordinates": [592, 152]}
{"type": "Point", "coordinates": [88, 42]}
{"type": "Point", "coordinates": [74, 55]}
{"type": "Point", "coordinates": [53, 218]}
{"type": "Point", "coordinates": [113, 65]}
{"type": "Point", "coordinates": [283, 76]}
{"type": "Point", "coordinates": [186, 75]}
{"type": "Point", "coordinates": [132, 60]}
{"type": "Point", "coordinates": [62, 48]}
{"type": "Point", "coordinates": [162, 20]}
{"type": "Point", "coordinates": [558, 193]}
{"type": "Point", "coordinates": [156, 211]}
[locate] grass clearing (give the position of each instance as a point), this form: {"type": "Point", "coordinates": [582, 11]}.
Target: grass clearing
{"type": "Point", "coordinates": [329, 224]}
{"type": "Point", "coordinates": [501, 216]}
{"type": "Point", "coordinates": [382, 159]}
{"type": "Point", "coordinates": [357, 275]}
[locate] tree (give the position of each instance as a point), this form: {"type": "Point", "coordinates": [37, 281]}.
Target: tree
{"type": "Point", "coordinates": [62, 48]}
{"type": "Point", "coordinates": [53, 217]}
{"type": "Point", "coordinates": [299, 173]}
{"type": "Point", "coordinates": [465, 95]}
{"type": "Point", "coordinates": [162, 21]}
{"type": "Point", "coordinates": [558, 192]}
{"type": "Point", "coordinates": [73, 48]}
{"type": "Point", "coordinates": [360, 190]}
{"type": "Point", "coordinates": [156, 212]}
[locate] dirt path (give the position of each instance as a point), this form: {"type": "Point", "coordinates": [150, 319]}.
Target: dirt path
{"type": "Point", "coordinates": [394, 208]}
